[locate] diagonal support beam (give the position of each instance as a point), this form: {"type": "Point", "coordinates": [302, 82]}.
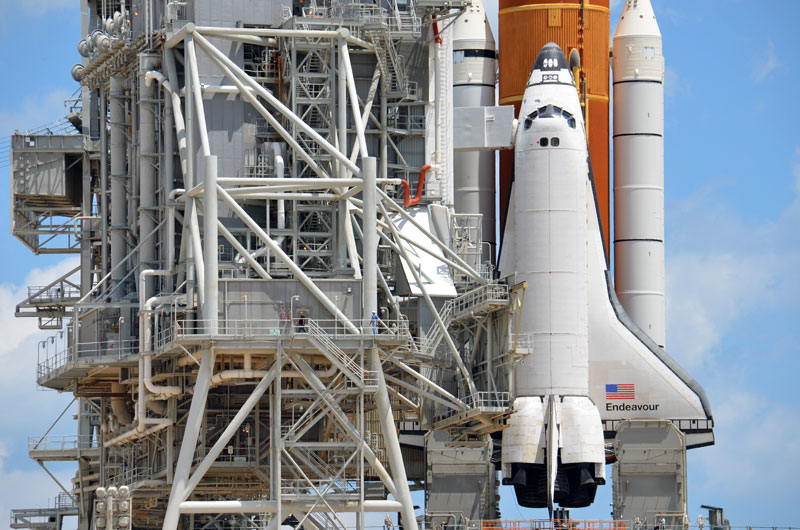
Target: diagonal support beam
{"type": "Point", "coordinates": [218, 56]}
{"type": "Point", "coordinates": [193, 424]}
{"type": "Point", "coordinates": [232, 427]}
{"type": "Point", "coordinates": [316, 292]}
{"type": "Point", "coordinates": [319, 387]}
{"type": "Point", "coordinates": [453, 349]}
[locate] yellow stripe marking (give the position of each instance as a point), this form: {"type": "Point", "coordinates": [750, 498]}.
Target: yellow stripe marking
{"type": "Point", "coordinates": [536, 7]}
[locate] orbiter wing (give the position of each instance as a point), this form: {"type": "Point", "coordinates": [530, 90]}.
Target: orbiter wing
{"type": "Point", "coordinates": [629, 375]}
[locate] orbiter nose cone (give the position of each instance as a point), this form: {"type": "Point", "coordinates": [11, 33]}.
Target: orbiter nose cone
{"type": "Point", "coordinates": [551, 58]}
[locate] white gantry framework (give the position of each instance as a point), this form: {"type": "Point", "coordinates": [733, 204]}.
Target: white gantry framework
{"type": "Point", "coordinates": [221, 346]}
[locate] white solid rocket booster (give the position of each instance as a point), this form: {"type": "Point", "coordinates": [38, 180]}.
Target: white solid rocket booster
{"type": "Point", "coordinates": [638, 79]}
{"type": "Point", "coordinates": [474, 76]}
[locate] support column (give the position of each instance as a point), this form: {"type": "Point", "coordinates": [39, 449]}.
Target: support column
{"type": "Point", "coordinates": [341, 93]}
{"type": "Point", "coordinates": [210, 243]}
{"type": "Point", "coordinates": [276, 446]}
{"type": "Point", "coordinates": [370, 242]}
{"type": "Point", "coordinates": [189, 180]}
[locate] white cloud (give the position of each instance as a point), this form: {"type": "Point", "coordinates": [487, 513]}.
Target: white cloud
{"type": "Point", "coordinates": [767, 63]}
{"type": "Point", "coordinates": [674, 84]}
{"type": "Point", "coordinates": [29, 488]}
{"type": "Point", "coordinates": [34, 111]}
{"type": "Point", "coordinates": [709, 293]}
{"type": "Point", "coordinates": [723, 268]}
{"type": "Point", "coordinates": [755, 459]}
{"type": "Point", "coordinates": [27, 411]}
{"type": "Point", "coordinates": [726, 271]}
{"type": "Point", "coordinates": [17, 330]}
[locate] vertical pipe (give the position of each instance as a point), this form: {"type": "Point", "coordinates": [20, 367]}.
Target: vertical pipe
{"type": "Point", "coordinates": [172, 414]}
{"type": "Point", "coordinates": [103, 182]}
{"type": "Point", "coordinates": [384, 133]}
{"type": "Point", "coordinates": [280, 173]}
{"type": "Point", "coordinates": [119, 173]}
{"type": "Point", "coordinates": [167, 180]}
{"type": "Point", "coordinates": [85, 226]}
{"type": "Point", "coordinates": [147, 172]}
{"type": "Point", "coordinates": [341, 93]}
{"type": "Point", "coordinates": [370, 241]}
{"type": "Point", "coordinates": [210, 240]}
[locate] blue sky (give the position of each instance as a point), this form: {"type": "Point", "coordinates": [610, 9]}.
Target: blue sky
{"type": "Point", "coordinates": [732, 171]}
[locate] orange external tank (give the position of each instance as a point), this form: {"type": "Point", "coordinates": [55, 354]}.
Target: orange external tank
{"type": "Point", "coordinates": [527, 25]}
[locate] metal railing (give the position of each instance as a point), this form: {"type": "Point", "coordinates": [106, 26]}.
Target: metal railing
{"type": "Point", "coordinates": [304, 487]}
{"type": "Point", "coordinates": [404, 25]}
{"type": "Point", "coordinates": [493, 400]}
{"type": "Point", "coordinates": [488, 400]}
{"type": "Point", "coordinates": [277, 328]}
{"type": "Point", "coordinates": [230, 454]}
{"type": "Point", "coordinates": [110, 348]}
{"type": "Point", "coordinates": [553, 524]}
{"type": "Point", "coordinates": [493, 292]}
{"type": "Point", "coordinates": [127, 476]}
{"type": "Point", "coordinates": [570, 524]}
{"type": "Point", "coordinates": [407, 122]}
{"type": "Point", "coordinates": [60, 443]}
{"type": "Point", "coordinates": [40, 293]}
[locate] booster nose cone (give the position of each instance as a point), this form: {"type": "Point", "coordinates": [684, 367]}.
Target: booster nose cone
{"type": "Point", "coordinates": [637, 19]}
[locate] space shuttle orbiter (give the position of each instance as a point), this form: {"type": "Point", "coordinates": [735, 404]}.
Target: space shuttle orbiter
{"type": "Point", "coordinates": [590, 365]}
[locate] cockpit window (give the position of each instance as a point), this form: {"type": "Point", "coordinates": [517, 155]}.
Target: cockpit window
{"type": "Point", "coordinates": [529, 120]}
{"type": "Point", "coordinates": [569, 118]}
{"type": "Point", "coordinates": [549, 111]}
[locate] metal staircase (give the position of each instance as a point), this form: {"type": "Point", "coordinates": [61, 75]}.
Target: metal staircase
{"type": "Point", "coordinates": [435, 334]}
{"type": "Point", "coordinates": [51, 303]}
{"type": "Point", "coordinates": [328, 347]}
{"type": "Point", "coordinates": [390, 63]}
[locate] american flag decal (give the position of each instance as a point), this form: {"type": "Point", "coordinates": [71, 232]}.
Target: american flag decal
{"type": "Point", "coordinates": [618, 391]}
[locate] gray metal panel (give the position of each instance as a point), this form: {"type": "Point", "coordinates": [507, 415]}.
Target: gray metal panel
{"type": "Point", "coordinates": [483, 128]}
{"type": "Point", "coordinates": [237, 13]}
{"type": "Point", "coordinates": [266, 298]}
{"type": "Point", "coordinates": [458, 494]}
{"type": "Point", "coordinates": [650, 472]}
